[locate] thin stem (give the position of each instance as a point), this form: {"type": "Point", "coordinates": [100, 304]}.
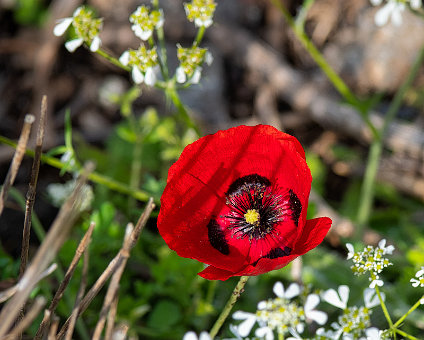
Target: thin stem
{"type": "Point", "coordinates": [199, 36]}
{"type": "Point", "coordinates": [414, 307]}
{"type": "Point", "coordinates": [94, 176]}
{"type": "Point", "coordinates": [227, 309]}
{"type": "Point", "coordinates": [113, 60]}
{"type": "Point", "coordinates": [406, 335]}
{"type": "Point", "coordinates": [335, 79]}
{"type": "Point", "coordinates": [163, 57]}
{"type": "Point", "coordinates": [383, 306]}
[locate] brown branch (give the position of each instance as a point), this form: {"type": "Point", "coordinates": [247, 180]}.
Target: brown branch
{"type": "Point", "coordinates": [111, 318]}
{"type": "Point", "coordinates": [112, 290]}
{"type": "Point", "coordinates": [27, 319]}
{"type": "Point", "coordinates": [17, 159]}
{"type": "Point", "coordinates": [45, 254]}
{"type": "Point", "coordinates": [53, 328]}
{"type": "Point", "coordinates": [69, 273]}
{"type": "Point", "coordinates": [32, 187]}
{"type": "Point", "coordinates": [80, 295]}
{"type": "Point", "coordinates": [112, 267]}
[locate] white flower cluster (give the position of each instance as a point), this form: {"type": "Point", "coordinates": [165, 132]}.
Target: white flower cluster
{"type": "Point", "coordinates": [87, 29]}
{"type": "Point", "coordinates": [144, 21]}
{"type": "Point", "coordinates": [201, 12]}
{"type": "Point", "coordinates": [190, 60]}
{"type": "Point", "coordinates": [370, 260]}
{"type": "Point", "coordinates": [392, 10]}
{"type": "Point", "coordinates": [280, 314]}
{"type": "Point", "coordinates": [419, 280]}
{"type": "Point", "coordinates": [355, 321]}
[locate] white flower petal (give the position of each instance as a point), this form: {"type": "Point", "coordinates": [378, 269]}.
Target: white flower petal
{"type": "Point", "coordinates": [124, 58]}
{"type": "Point", "coordinates": [337, 300]}
{"type": "Point", "coordinates": [204, 336]}
{"type": "Point", "coordinates": [62, 26]}
{"type": "Point", "coordinates": [422, 301]}
{"type": "Point", "coordinates": [373, 333]}
{"type": "Point", "coordinates": [415, 4]}
{"type": "Point", "coordinates": [72, 45]}
{"type": "Point", "coordinates": [371, 298]}
{"type": "Point", "coordinates": [77, 11]}
{"type": "Point", "coordinates": [195, 78]}
{"type": "Point", "coordinates": [351, 250]}
{"type": "Point", "coordinates": [95, 44]}
{"type": "Point", "coordinates": [180, 75]}
{"type": "Point", "coordinates": [190, 336]}
{"type": "Point", "coordinates": [344, 293]}
{"type": "Point", "coordinates": [246, 326]}
{"type": "Point", "coordinates": [137, 75]}
{"type": "Point", "coordinates": [382, 243]}
{"type": "Point", "coordinates": [150, 77]}
{"type": "Point", "coordinates": [278, 289]}
{"type": "Point", "coordinates": [262, 305]}
{"type": "Point", "coordinates": [292, 291]}
{"type": "Point", "coordinates": [142, 34]}
{"type": "Point", "coordinates": [265, 332]}
{"type": "Point", "coordinates": [316, 315]}
{"type": "Point", "coordinates": [420, 272]}
{"type": "Point", "coordinates": [208, 58]}
{"type": "Point", "coordinates": [397, 14]}
{"type": "Point", "coordinates": [240, 315]}
{"type": "Point", "coordinates": [311, 302]}
{"type": "Point", "coordinates": [382, 16]}
{"type": "Point", "coordinates": [376, 2]}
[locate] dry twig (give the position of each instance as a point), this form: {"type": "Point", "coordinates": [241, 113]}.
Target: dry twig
{"type": "Point", "coordinates": [48, 249]}
{"type": "Point", "coordinates": [17, 159]}
{"type": "Point", "coordinates": [71, 269]}
{"type": "Point", "coordinates": [111, 318]}
{"type": "Point", "coordinates": [27, 319]}
{"type": "Point", "coordinates": [32, 187]}
{"type": "Point", "coordinates": [111, 268]}
{"type": "Point", "coordinates": [112, 291]}
{"type": "Point", "coordinates": [53, 328]}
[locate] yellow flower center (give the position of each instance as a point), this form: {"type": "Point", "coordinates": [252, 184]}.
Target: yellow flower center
{"type": "Point", "coordinates": [251, 216]}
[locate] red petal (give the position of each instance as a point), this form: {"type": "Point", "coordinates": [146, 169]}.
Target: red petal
{"type": "Point", "coordinates": [213, 273]}
{"type": "Point", "coordinates": [313, 234]}
{"type": "Point", "coordinates": [197, 183]}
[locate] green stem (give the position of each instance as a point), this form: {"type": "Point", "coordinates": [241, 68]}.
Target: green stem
{"type": "Point", "coordinates": [113, 60]}
{"type": "Point", "coordinates": [383, 306]}
{"type": "Point", "coordinates": [376, 150]}
{"type": "Point", "coordinates": [406, 335]}
{"type": "Point", "coordinates": [173, 94]}
{"type": "Point", "coordinates": [227, 309]}
{"type": "Point", "coordinates": [199, 36]}
{"type": "Point", "coordinates": [414, 307]}
{"type": "Point", "coordinates": [94, 176]}
{"type": "Point", "coordinates": [335, 79]}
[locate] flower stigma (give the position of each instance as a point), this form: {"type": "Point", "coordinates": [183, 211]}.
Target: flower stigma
{"type": "Point", "coordinates": [252, 216]}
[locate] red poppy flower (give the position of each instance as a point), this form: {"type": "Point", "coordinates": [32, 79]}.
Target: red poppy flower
{"type": "Point", "coordinates": [236, 200]}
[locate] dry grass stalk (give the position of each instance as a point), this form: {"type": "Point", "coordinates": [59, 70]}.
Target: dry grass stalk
{"type": "Point", "coordinates": [111, 268]}
{"type": "Point", "coordinates": [112, 290]}
{"type": "Point", "coordinates": [110, 323]}
{"type": "Point", "coordinates": [120, 332]}
{"type": "Point", "coordinates": [17, 159]}
{"type": "Point", "coordinates": [82, 246]}
{"type": "Point", "coordinates": [45, 254]}
{"type": "Point", "coordinates": [7, 294]}
{"type": "Point", "coordinates": [32, 187]}
{"type": "Point", "coordinates": [80, 295]}
{"type": "Point", "coordinates": [53, 328]}
{"type": "Point", "coordinates": [27, 319]}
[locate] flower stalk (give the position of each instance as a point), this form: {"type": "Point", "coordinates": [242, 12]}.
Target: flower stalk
{"type": "Point", "coordinates": [383, 306]}
{"type": "Point", "coordinates": [227, 309]}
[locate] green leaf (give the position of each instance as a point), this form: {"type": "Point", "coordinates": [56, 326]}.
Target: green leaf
{"type": "Point", "coordinates": [164, 315]}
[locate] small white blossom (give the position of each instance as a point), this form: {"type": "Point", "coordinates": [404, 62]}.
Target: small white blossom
{"type": "Point", "coordinates": [246, 326]}
{"type": "Point", "coordinates": [351, 251]}
{"type": "Point", "coordinates": [371, 298]}
{"type": "Point", "coordinates": [419, 281]}
{"type": "Point", "coordinates": [143, 63]}
{"type": "Point", "coordinates": [193, 336]}
{"type": "Point", "coordinates": [200, 11]}
{"type": "Point", "coordinates": [392, 10]}
{"type": "Point", "coordinates": [145, 21]}
{"type": "Point", "coordinates": [374, 333]}
{"type": "Point", "coordinates": [292, 291]}
{"type": "Point", "coordinates": [87, 29]}
{"type": "Point", "coordinates": [338, 300]}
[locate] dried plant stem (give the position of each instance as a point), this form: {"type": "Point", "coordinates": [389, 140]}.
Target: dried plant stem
{"type": "Point", "coordinates": [45, 254]}
{"type": "Point", "coordinates": [27, 319]}
{"type": "Point", "coordinates": [53, 328]}
{"type": "Point", "coordinates": [112, 290]}
{"type": "Point", "coordinates": [80, 295]}
{"type": "Point", "coordinates": [59, 293]}
{"type": "Point", "coordinates": [111, 268]}
{"type": "Point", "coordinates": [17, 159]}
{"type": "Point", "coordinates": [227, 309]}
{"type": "Point", "coordinates": [111, 318]}
{"type": "Point", "coordinates": [32, 187]}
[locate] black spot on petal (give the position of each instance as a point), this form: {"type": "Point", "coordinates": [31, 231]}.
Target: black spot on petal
{"type": "Point", "coordinates": [295, 206]}
{"type": "Point", "coordinates": [217, 237]}
{"type": "Point", "coordinates": [274, 254]}
{"type": "Point", "coordinates": [247, 182]}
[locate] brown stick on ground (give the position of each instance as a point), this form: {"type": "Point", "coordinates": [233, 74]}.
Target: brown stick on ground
{"type": "Point", "coordinates": [32, 187]}
{"type": "Point", "coordinates": [112, 290]}
{"type": "Point", "coordinates": [71, 269]}
{"type": "Point", "coordinates": [48, 249]}
{"type": "Point", "coordinates": [17, 159]}
{"type": "Point", "coordinates": [80, 295]}
{"type": "Point", "coordinates": [111, 268]}
{"type": "Point", "coordinates": [27, 319]}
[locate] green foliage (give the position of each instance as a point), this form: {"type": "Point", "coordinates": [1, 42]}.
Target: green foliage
{"type": "Point", "coordinates": [30, 12]}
